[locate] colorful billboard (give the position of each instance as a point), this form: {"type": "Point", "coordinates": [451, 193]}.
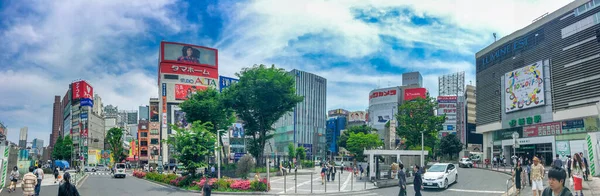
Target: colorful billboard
{"type": "Point", "coordinates": [225, 82]}
{"type": "Point", "coordinates": [189, 54]}
{"type": "Point", "coordinates": [180, 119]}
{"type": "Point", "coordinates": [198, 81]}
{"type": "Point", "coordinates": [384, 95]}
{"type": "Point", "coordinates": [357, 116]}
{"type": "Point", "coordinates": [82, 90]}
{"type": "Point", "coordinates": [106, 158]}
{"type": "Point", "coordinates": [180, 69]}
{"type": "Point", "coordinates": [154, 112]}
{"type": "Point", "coordinates": [237, 130]}
{"type": "Point", "coordinates": [413, 93]}
{"type": "Point", "coordinates": [524, 88]}
{"type": "Point", "coordinates": [337, 112]}
{"type": "Point", "coordinates": [447, 99]}
{"type": "Point", "coordinates": [184, 92]}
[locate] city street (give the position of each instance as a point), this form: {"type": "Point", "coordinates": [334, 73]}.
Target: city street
{"type": "Point", "coordinates": [106, 185]}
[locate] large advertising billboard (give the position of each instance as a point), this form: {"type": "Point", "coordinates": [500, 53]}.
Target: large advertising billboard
{"type": "Point", "coordinates": [384, 95]}
{"type": "Point", "coordinates": [225, 82]}
{"type": "Point", "coordinates": [357, 116]}
{"type": "Point", "coordinates": [154, 112]}
{"type": "Point", "coordinates": [189, 54]}
{"type": "Point", "coordinates": [198, 81]}
{"type": "Point", "coordinates": [82, 90]}
{"type": "Point", "coordinates": [180, 119]}
{"type": "Point", "coordinates": [184, 92]}
{"type": "Point", "coordinates": [413, 93]}
{"type": "Point", "coordinates": [181, 69]}
{"type": "Point", "coordinates": [380, 117]}
{"type": "Point", "coordinates": [524, 88]}
{"type": "Point", "coordinates": [237, 130]}
{"type": "Point", "coordinates": [447, 105]}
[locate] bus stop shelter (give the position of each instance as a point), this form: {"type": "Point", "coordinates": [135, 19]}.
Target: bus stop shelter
{"type": "Point", "coordinates": [397, 153]}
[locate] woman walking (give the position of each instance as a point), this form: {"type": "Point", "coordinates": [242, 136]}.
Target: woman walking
{"type": "Point", "coordinates": [517, 177]}
{"type": "Point", "coordinates": [578, 172]}
{"type": "Point", "coordinates": [66, 188]}
{"type": "Point", "coordinates": [14, 177]}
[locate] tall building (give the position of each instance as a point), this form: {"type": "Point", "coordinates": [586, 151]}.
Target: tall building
{"type": "Point", "coordinates": [144, 113]}
{"type": "Point", "coordinates": [98, 108]}
{"type": "Point", "coordinates": [154, 130]}
{"type": "Point", "coordinates": [335, 124]}
{"type": "Point", "coordinates": [143, 141]}
{"type": "Point", "coordinates": [451, 91]}
{"type": "Point", "coordinates": [57, 120]}
{"type": "Point", "coordinates": [474, 139]}
{"type": "Point", "coordinates": [97, 131]}
{"type": "Point", "coordinates": [111, 111]}
{"type": "Point", "coordinates": [452, 84]}
{"type": "Point", "coordinates": [305, 125]}
{"type": "Point", "coordinates": [413, 79]}
{"type": "Point", "coordinates": [23, 137]}
{"type": "Point", "coordinates": [541, 83]}
{"type": "Point", "coordinates": [78, 105]}
{"type": "Point", "coordinates": [37, 143]}
{"type": "Point", "coordinates": [383, 105]}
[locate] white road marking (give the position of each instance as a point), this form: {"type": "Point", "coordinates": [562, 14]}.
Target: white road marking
{"type": "Point", "coordinates": [472, 191]}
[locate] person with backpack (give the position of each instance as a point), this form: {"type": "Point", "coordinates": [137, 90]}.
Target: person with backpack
{"type": "Point", "coordinates": [66, 188]}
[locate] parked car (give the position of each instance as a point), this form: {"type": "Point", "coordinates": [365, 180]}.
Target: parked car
{"type": "Point", "coordinates": [89, 168]}
{"type": "Point", "coordinates": [465, 162]}
{"type": "Point", "coordinates": [440, 175]}
{"type": "Point", "coordinates": [101, 168]}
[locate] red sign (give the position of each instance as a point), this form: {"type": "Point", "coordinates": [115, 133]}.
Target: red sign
{"type": "Point", "coordinates": [553, 128]}
{"type": "Point", "coordinates": [172, 68]}
{"type": "Point", "coordinates": [83, 90]}
{"type": "Point", "coordinates": [413, 93]}
{"type": "Point", "coordinates": [184, 92]}
{"type": "Point", "coordinates": [164, 104]}
{"type": "Point", "coordinates": [382, 94]}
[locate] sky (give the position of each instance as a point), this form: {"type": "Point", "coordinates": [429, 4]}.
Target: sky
{"type": "Point", "coordinates": [356, 45]}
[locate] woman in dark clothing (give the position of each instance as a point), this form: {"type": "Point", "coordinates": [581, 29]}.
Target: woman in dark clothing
{"type": "Point", "coordinates": [67, 189]}
{"type": "Point", "coordinates": [206, 189]}
{"type": "Point", "coordinates": [418, 181]}
{"type": "Point", "coordinates": [55, 174]}
{"type": "Point", "coordinates": [517, 176]}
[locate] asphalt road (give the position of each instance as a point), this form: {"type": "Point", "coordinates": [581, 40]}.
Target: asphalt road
{"type": "Point", "coordinates": [471, 182]}
{"type": "Point", "coordinates": [107, 185]}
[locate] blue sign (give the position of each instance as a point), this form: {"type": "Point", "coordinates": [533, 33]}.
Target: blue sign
{"type": "Point", "coordinates": [450, 127]}
{"type": "Point", "coordinates": [225, 82]}
{"type": "Point", "coordinates": [307, 148]}
{"type": "Point", "coordinates": [164, 89]}
{"type": "Point", "coordinates": [510, 49]}
{"type": "Point", "coordinates": [238, 155]}
{"type": "Point", "coordinates": [86, 102]}
{"type": "Point", "coordinates": [84, 115]}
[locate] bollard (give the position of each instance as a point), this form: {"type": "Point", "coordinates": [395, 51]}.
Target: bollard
{"type": "Point", "coordinates": [325, 185]}
{"type": "Point", "coordinates": [365, 184]}
{"type": "Point", "coordinates": [296, 181]}
{"type": "Point", "coordinates": [284, 183]}
{"type": "Point", "coordinates": [311, 181]}
{"type": "Point", "coordinates": [340, 183]}
{"type": "Point", "coordinates": [352, 181]}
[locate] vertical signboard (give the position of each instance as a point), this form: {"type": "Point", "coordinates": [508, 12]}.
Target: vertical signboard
{"type": "Point", "coordinates": [447, 106]}
{"type": "Point", "coordinates": [225, 82]}
{"type": "Point", "coordinates": [83, 92]}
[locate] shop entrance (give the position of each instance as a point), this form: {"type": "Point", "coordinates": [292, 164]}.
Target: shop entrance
{"type": "Point", "coordinates": [542, 151]}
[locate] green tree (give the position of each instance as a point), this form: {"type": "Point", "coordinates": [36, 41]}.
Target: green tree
{"type": "Point", "coordinates": [67, 149]}
{"type": "Point", "coordinates": [291, 151]}
{"type": "Point", "coordinates": [354, 129]}
{"type": "Point", "coordinates": [358, 142]}
{"type": "Point", "coordinates": [300, 153]}
{"type": "Point", "coordinates": [114, 138]}
{"type": "Point", "coordinates": [262, 95]}
{"type": "Point", "coordinates": [416, 116]}
{"type": "Point", "coordinates": [58, 149]}
{"type": "Point", "coordinates": [450, 145]}
{"type": "Point", "coordinates": [244, 166]}
{"type": "Point", "coordinates": [193, 146]}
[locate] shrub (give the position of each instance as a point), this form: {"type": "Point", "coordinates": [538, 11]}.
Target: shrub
{"type": "Point", "coordinates": [256, 185]}
{"type": "Point", "coordinates": [264, 170]}
{"type": "Point", "coordinates": [244, 166]}
{"type": "Point", "coordinates": [200, 183]}
{"type": "Point", "coordinates": [187, 181]}
{"type": "Point", "coordinates": [176, 181]}
{"type": "Point", "coordinates": [139, 174]}
{"type": "Point", "coordinates": [241, 184]}
{"type": "Point", "coordinates": [167, 178]}
{"type": "Point", "coordinates": [308, 163]}
{"type": "Point", "coordinates": [223, 183]}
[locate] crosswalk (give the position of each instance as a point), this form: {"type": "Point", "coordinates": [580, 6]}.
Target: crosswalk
{"type": "Point", "coordinates": [104, 174]}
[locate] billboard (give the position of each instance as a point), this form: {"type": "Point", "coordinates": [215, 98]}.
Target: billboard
{"type": "Point", "coordinates": [237, 130]}
{"type": "Point", "coordinates": [164, 120]}
{"type": "Point", "coordinates": [180, 69]}
{"type": "Point", "coordinates": [106, 158]}
{"type": "Point", "coordinates": [184, 92]}
{"type": "Point", "coordinates": [447, 99]}
{"type": "Point", "coordinates": [198, 81]}
{"type": "Point", "coordinates": [524, 88]}
{"type": "Point", "coordinates": [82, 90]}
{"type": "Point", "coordinates": [189, 54]}
{"type": "Point", "coordinates": [180, 119]}
{"type": "Point", "coordinates": [225, 82]}
{"type": "Point", "coordinates": [154, 112]}
{"type": "Point", "coordinates": [379, 117]}
{"type": "Point", "coordinates": [384, 95]}
{"type": "Point", "coordinates": [86, 102]}
{"type": "Point", "coordinates": [2, 129]}
{"type": "Point", "coordinates": [337, 112]}
{"type": "Point", "coordinates": [357, 116]}
{"type": "Point", "coordinates": [543, 129]}
{"type": "Point", "coordinates": [413, 93]}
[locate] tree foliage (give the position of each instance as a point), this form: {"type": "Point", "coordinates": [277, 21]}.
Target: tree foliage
{"type": "Point", "coordinates": [58, 149]}
{"type": "Point", "coordinates": [354, 129]}
{"type": "Point", "coordinates": [416, 116]}
{"type": "Point", "coordinates": [262, 95]}
{"type": "Point", "coordinates": [450, 145]}
{"type": "Point", "coordinates": [67, 149]}
{"type": "Point", "coordinates": [244, 166]}
{"type": "Point", "coordinates": [358, 142]}
{"type": "Point", "coordinates": [193, 146]}
{"type": "Point", "coordinates": [300, 153]}
{"type": "Point", "coordinates": [291, 151]}
{"type": "Point", "coordinates": [114, 138]}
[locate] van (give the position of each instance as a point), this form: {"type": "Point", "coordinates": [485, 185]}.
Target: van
{"type": "Point", "coordinates": [119, 170]}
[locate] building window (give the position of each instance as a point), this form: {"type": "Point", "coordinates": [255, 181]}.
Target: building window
{"type": "Point", "coordinates": [154, 141]}
{"type": "Point", "coordinates": [154, 132]}
{"type": "Point", "coordinates": [144, 143]}
{"type": "Point", "coordinates": [144, 153]}
{"type": "Point", "coordinates": [144, 134]}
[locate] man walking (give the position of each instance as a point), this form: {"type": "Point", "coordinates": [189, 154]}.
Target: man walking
{"type": "Point", "coordinates": [29, 184]}
{"type": "Point", "coordinates": [557, 162]}
{"type": "Point", "coordinates": [40, 175]}
{"type": "Point", "coordinates": [402, 181]}
{"type": "Point", "coordinates": [417, 182]}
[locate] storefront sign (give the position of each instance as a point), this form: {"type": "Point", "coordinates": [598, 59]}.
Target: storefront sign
{"type": "Point", "coordinates": [164, 104]}
{"type": "Point", "coordinates": [553, 128]}
{"type": "Point", "coordinates": [562, 148]}
{"type": "Point", "coordinates": [505, 134]}
{"type": "Point", "coordinates": [527, 141]}
{"type": "Point", "coordinates": [573, 126]}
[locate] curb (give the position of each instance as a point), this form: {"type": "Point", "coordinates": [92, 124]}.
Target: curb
{"type": "Point", "coordinates": [503, 172]}
{"type": "Point", "coordinates": [252, 193]}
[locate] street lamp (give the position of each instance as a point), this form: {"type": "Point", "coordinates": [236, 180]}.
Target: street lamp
{"type": "Point", "coordinates": [515, 136]}
{"type": "Point", "coordinates": [268, 164]}
{"type": "Point", "coordinates": [423, 148]}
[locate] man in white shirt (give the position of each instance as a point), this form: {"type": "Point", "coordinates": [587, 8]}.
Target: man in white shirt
{"type": "Point", "coordinates": [40, 175]}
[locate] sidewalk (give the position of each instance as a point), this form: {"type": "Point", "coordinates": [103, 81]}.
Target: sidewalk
{"type": "Point", "coordinates": [49, 178]}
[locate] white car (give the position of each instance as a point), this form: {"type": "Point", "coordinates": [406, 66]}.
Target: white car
{"type": "Point", "coordinates": [440, 175]}
{"type": "Point", "coordinates": [465, 162]}
{"type": "Point", "coordinates": [89, 169]}
{"type": "Point", "coordinates": [119, 170]}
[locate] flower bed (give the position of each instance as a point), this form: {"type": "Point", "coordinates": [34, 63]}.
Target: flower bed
{"type": "Point", "coordinates": [139, 174]}
{"type": "Point", "coordinates": [223, 185]}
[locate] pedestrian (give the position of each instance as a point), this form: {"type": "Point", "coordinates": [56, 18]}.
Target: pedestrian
{"type": "Point", "coordinates": [578, 172]}
{"type": "Point", "coordinates": [55, 174]}
{"type": "Point", "coordinates": [257, 176]}
{"type": "Point", "coordinates": [557, 162]}
{"type": "Point", "coordinates": [328, 173]}
{"type": "Point", "coordinates": [29, 183]}
{"type": "Point", "coordinates": [323, 170]}
{"type": "Point", "coordinates": [206, 190]}
{"type": "Point", "coordinates": [517, 177]}
{"type": "Point", "coordinates": [40, 176]}
{"type": "Point", "coordinates": [333, 171]}
{"type": "Point", "coordinates": [569, 162]}
{"type": "Point", "coordinates": [342, 168]}
{"type": "Point", "coordinates": [586, 166]}
{"type": "Point", "coordinates": [14, 178]}
{"type": "Point", "coordinates": [66, 188]}
{"type": "Point", "coordinates": [402, 181]}
{"type": "Point", "coordinates": [417, 182]}
{"type": "Point", "coordinates": [537, 175]}
{"type": "Point", "coordinates": [361, 172]}
{"type": "Point", "coordinates": [556, 183]}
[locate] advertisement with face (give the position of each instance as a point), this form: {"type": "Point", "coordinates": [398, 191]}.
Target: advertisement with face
{"type": "Point", "coordinates": [184, 92]}
{"type": "Point", "coordinates": [154, 112]}
{"type": "Point", "coordinates": [106, 158]}
{"type": "Point", "coordinates": [189, 54]}
{"type": "Point", "coordinates": [524, 88]}
{"type": "Point", "coordinates": [237, 131]}
{"type": "Point", "coordinates": [357, 116]}
{"type": "Point", "coordinates": [82, 90]}
{"type": "Point", "coordinates": [180, 119]}
{"type": "Point", "coordinates": [384, 95]}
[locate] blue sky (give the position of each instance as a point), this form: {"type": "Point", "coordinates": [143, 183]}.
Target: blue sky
{"type": "Point", "coordinates": [356, 45]}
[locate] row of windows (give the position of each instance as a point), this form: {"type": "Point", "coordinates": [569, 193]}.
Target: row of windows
{"type": "Point", "coordinates": [586, 7]}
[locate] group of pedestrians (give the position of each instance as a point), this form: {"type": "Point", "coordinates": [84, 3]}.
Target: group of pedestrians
{"type": "Point", "coordinates": [417, 181]}
{"type": "Point", "coordinates": [328, 171]}
{"type": "Point", "coordinates": [31, 182]}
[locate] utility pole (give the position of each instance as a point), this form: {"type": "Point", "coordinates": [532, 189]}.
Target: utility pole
{"type": "Point", "coordinates": [423, 148]}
